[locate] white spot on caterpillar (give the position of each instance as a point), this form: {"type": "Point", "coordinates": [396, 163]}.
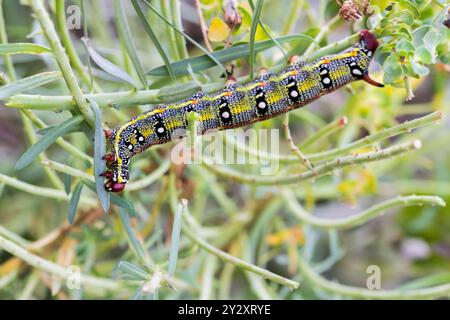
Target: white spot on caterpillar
{"type": "Point", "coordinates": [160, 129]}
{"type": "Point", "coordinates": [353, 64]}
{"type": "Point", "coordinates": [130, 147]}
{"type": "Point", "coordinates": [225, 115]}
{"type": "Point", "coordinates": [356, 72]}
{"type": "Point", "coordinates": [326, 80]}
{"type": "Point", "coordinates": [369, 53]}
{"type": "Point", "coordinates": [262, 105]}
{"type": "Point", "coordinates": [324, 71]}
{"type": "Point", "coordinates": [141, 138]}
{"type": "Point", "coordinates": [294, 93]}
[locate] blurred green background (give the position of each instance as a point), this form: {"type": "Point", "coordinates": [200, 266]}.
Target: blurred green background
{"type": "Point", "coordinates": [410, 245]}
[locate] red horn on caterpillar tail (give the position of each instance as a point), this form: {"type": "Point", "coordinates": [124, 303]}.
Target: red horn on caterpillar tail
{"type": "Point", "coordinates": [371, 44]}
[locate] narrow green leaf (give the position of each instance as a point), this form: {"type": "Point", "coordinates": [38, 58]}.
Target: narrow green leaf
{"type": "Point", "coordinates": [67, 180]}
{"type": "Point", "coordinates": [237, 51]}
{"type": "Point", "coordinates": [107, 65]}
{"type": "Point", "coordinates": [175, 243]}
{"type": "Point", "coordinates": [178, 91]}
{"type": "Point", "coordinates": [130, 271]}
{"type": "Point", "coordinates": [132, 240]}
{"type": "Point", "coordinates": [73, 203]}
{"type": "Point", "coordinates": [195, 43]}
{"type": "Point", "coordinates": [99, 152]}
{"type": "Point", "coordinates": [269, 34]}
{"type": "Point", "coordinates": [34, 81]}
{"type": "Point", "coordinates": [148, 28]}
{"type": "Point", "coordinates": [255, 22]}
{"type": "Point", "coordinates": [122, 24]}
{"type": "Point", "coordinates": [47, 140]}
{"type": "Point", "coordinates": [44, 131]}
{"type": "Point", "coordinates": [22, 48]}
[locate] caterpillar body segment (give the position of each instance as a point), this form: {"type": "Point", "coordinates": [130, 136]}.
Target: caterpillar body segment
{"type": "Point", "coordinates": [238, 105]}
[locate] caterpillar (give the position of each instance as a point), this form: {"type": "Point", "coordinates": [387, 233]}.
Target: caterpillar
{"type": "Point", "coordinates": [237, 105]}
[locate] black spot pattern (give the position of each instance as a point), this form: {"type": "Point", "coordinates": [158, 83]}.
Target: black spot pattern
{"type": "Point", "coordinates": [294, 94]}
{"type": "Point", "coordinates": [225, 113]}
{"type": "Point", "coordinates": [160, 129]}
{"type": "Point", "coordinates": [261, 103]}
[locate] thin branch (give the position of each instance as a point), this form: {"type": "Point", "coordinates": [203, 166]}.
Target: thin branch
{"type": "Point", "coordinates": [362, 293]}
{"type": "Point", "coordinates": [202, 23]}
{"type": "Point", "coordinates": [319, 170]}
{"type": "Point", "coordinates": [360, 218]}
{"type": "Point", "coordinates": [53, 268]}
{"type": "Point", "coordinates": [46, 23]}
{"type": "Point", "coordinates": [187, 230]}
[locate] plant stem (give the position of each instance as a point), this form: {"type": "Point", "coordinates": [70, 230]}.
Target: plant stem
{"type": "Point", "coordinates": [175, 7]}
{"type": "Point", "coordinates": [165, 11]}
{"type": "Point", "coordinates": [255, 23]}
{"type": "Point", "coordinates": [235, 261]}
{"type": "Point", "coordinates": [53, 268]}
{"type": "Point", "coordinates": [360, 218]}
{"type": "Point", "coordinates": [42, 191]}
{"type": "Point", "coordinates": [63, 61]}
{"type": "Point", "coordinates": [323, 32]}
{"type": "Point", "coordinates": [324, 132]}
{"type": "Point", "coordinates": [135, 185]}
{"type": "Point", "coordinates": [404, 127]}
{"type": "Point", "coordinates": [68, 46]}
{"type": "Point", "coordinates": [362, 293]}
{"type": "Point", "coordinates": [293, 147]}
{"type": "Point", "coordinates": [293, 16]}
{"type": "Point", "coordinates": [4, 39]}
{"type": "Point", "coordinates": [319, 170]}
{"type": "Point", "coordinates": [203, 26]}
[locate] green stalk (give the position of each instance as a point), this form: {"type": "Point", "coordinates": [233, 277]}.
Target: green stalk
{"type": "Point", "coordinates": [68, 46]}
{"type": "Point", "coordinates": [151, 33]}
{"type": "Point", "coordinates": [440, 291]}
{"type": "Point", "coordinates": [47, 26]}
{"type": "Point", "coordinates": [175, 7]}
{"type": "Point", "coordinates": [255, 23]}
{"type": "Point", "coordinates": [360, 218]}
{"type": "Point", "coordinates": [319, 170]}
{"type": "Point", "coordinates": [91, 282]}
{"type": "Point", "coordinates": [4, 39]}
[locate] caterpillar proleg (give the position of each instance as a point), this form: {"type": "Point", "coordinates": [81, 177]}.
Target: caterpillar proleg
{"type": "Point", "coordinates": [237, 105]}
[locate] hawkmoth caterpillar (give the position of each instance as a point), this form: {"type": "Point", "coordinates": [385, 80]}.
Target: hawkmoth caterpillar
{"type": "Point", "coordinates": [237, 105]}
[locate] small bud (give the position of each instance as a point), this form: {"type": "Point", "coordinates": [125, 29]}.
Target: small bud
{"type": "Point", "coordinates": [350, 11]}
{"type": "Point", "coordinates": [231, 14]}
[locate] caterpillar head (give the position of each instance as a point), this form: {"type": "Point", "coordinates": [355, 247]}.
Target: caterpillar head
{"type": "Point", "coordinates": [370, 42]}
{"type": "Point", "coordinates": [117, 162]}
